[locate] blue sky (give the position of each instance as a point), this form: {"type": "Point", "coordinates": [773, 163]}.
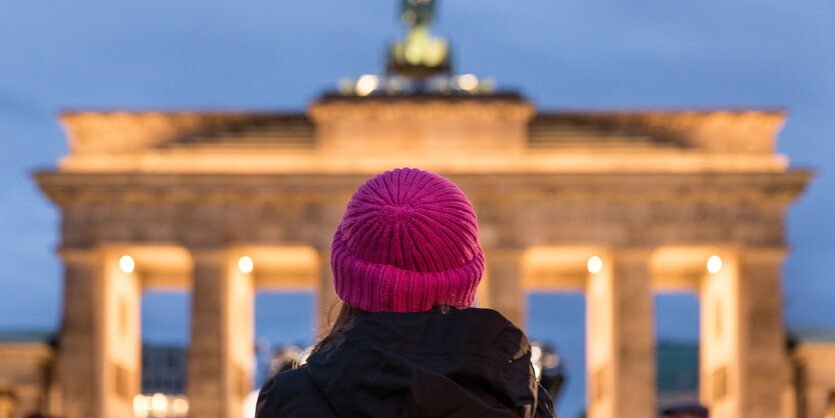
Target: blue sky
{"type": "Point", "coordinates": [256, 54]}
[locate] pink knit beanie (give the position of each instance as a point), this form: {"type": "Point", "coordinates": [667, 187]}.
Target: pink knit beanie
{"type": "Point", "coordinates": [407, 242]}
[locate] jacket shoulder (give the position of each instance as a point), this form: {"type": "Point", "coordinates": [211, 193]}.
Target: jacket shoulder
{"type": "Point", "coordinates": [291, 394]}
{"type": "Point", "coordinates": [544, 404]}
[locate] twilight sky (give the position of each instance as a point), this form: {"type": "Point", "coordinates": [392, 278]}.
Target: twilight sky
{"type": "Point", "coordinates": [563, 54]}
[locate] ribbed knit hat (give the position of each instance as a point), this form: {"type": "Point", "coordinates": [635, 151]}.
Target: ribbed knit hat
{"type": "Point", "coordinates": [408, 241]}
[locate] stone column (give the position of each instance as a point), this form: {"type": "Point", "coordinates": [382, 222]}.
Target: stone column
{"type": "Point", "coordinates": [78, 371]}
{"type": "Point", "coordinates": [121, 335]}
{"type": "Point", "coordinates": [99, 363]}
{"type": "Point", "coordinates": [742, 336]}
{"type": "Point", "coordinates": [7, 402]}
{"type": "Point", "coordinates": [222, 336]}
{"type": "Point", "coordinates": [763, 335]}
{"type": "Point", "coordinates": [327, 302]}
{"type": "Point", "coordinates": [504, 291]}
{"type": "Point", "coordinates": [620, 352]}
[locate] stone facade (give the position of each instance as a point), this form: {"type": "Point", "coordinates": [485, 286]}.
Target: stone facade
{"type": "Point", "coordinates": [653, 194]}
{"type": "Point", "coordinates": [811, 391]}
{"type": "Point", "coordinates": [27, 383]}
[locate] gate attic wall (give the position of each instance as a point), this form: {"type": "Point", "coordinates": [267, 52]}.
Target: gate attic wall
{"type": "Point", "coordinates": [470, 134]}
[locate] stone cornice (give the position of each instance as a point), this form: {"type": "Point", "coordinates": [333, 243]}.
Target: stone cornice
{"type": "Point", "coordinates": [66, 187]}
{"type": "Point", "coordinates": [356, 161]}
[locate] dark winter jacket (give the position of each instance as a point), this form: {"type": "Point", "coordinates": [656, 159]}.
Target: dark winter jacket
{"type": "Point", "coordinates": [465, 363]}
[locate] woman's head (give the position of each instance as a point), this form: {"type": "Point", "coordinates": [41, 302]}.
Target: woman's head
{"type": "Point", "coordinates": [408, 241]}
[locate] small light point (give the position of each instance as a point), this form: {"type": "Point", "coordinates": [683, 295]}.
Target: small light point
{"type": "Point", "coordinates": [595, 264]}
{"type": "Point", "coordinates": [367, 84]}
{"type": "Point", "coordinates": [245, 264]}
{"type": "Point", "coordinates": [159, 403]}
{"type": "Point", "coordinates": [126, 264]}
{"type": "Point", "coordinates": [468, 82]}
{"type": "Point", "coordinates": [714, 264]}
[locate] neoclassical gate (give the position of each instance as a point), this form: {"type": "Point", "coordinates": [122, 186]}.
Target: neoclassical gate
{"type": "Point", "coordinates": [617, 205]}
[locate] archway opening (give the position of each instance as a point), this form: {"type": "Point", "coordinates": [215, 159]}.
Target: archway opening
{"type": "Point", "coordinates": [555, 279]}
{"type": "Point", "coordinates": [558, 319]}
{"type": "Point", "coordinates": [677, 347]}
{"type": "Point", "coordinates": [286, 280]}
{"type": "Point", "coordinates": [283, 319]}
{"type": "Point", "coordinates": [683, 336]}
{"type": "Point", "coordinates": [165, 339]}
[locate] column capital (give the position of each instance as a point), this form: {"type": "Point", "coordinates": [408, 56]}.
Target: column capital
{"type": "Point", "coordinates": [503, 255]}
{"type": "Point", "coordinates": [766, 255]}
{"type": "Point", "coordinates": [78, 255]}
{"type": "Point", "coordinates": [504, 292]}
{"type": "Point", "coordinates": [209, 255]}
{"type": "Point", "coordinates": [631, 254]}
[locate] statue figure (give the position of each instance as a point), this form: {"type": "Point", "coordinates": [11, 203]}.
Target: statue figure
{"type": "Point", "coordinates": [420, 55]}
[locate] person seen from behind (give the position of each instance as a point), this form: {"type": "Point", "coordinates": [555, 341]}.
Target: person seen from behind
{"type": "Point", "coordinates": [406, 262]}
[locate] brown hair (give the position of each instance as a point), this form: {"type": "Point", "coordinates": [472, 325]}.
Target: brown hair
{"type": "Point", "coordinates": [346, 314]}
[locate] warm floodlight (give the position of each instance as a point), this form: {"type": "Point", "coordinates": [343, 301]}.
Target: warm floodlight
{"type": "Point", "coordinates": [367, 84]}
{"type": "Point", "coordinates": [140, 405]}
{"type": "Point", "coordinates": [594, 265]}
{"type": "Point", "coordinates": [245, 264]}
{"type": "Point", "coordinates": [126, 264]}
{"type": "Point", "coordinates": [159, 403]}
{"type": "Point", "coordinates": [180, 406]}
{"type": "Point", "coordinates": [714, 264]}
{"type": "Point", "coordinates": [468, 82]}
